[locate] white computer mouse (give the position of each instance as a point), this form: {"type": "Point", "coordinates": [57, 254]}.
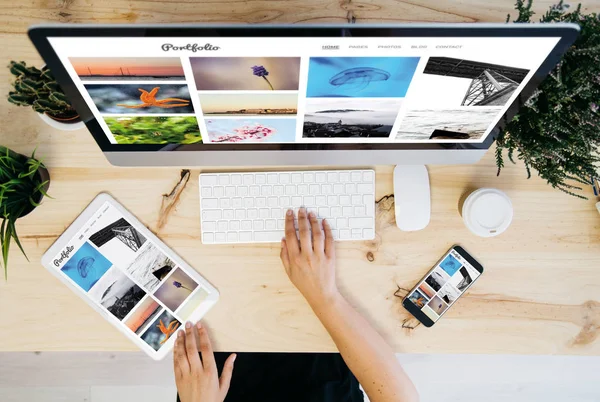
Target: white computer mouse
{"type": "Point", "coordinates": [412, 197]}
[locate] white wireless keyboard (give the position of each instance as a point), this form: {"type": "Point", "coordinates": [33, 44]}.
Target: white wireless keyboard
{"type": "Point", "coordinates": [250, 207]}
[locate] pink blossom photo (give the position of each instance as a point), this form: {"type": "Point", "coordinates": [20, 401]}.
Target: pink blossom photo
{"type": "Point", "coordinates": [251, 130]}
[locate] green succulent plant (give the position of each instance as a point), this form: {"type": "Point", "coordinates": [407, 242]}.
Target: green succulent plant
{"type": "Point", "coordinates": [22, 187]}
{"type": "Point", "coordinates": [38, 89]}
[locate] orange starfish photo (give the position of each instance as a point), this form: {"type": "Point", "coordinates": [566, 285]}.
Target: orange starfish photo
{"type": "Point", "coordinates": [168, 331]}
{"type": "Point", "coordinates": [149, 99]}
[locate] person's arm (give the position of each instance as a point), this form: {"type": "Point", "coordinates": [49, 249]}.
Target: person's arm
{"type": "Point", "coordinates": [310, 264]}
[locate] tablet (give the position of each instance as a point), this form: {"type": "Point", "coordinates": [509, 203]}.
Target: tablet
{"type": "Point", "coordinates": [129, 276]}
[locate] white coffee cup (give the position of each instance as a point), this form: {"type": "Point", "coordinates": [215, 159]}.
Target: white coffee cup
{"type": "Point", "coordinates": [487, 212]}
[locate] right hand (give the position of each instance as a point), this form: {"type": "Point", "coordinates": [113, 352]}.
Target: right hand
{"type": "Point", "coordinates": [310, 261]}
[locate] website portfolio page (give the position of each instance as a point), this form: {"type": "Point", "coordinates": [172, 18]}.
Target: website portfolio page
{"type": "Point", "coordinates": [299, 90]}
{"type": "Point", "coordinates": [444, 285]}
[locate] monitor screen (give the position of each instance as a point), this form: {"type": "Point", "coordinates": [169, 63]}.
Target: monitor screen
{"type": "Point", "coordinates": [300, 90]}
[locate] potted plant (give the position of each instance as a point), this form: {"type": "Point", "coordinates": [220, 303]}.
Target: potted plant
{"type": "Point", "coordinates": [557, 131]}
{"type": "Point", "coordinates": [23, 183]}
{"type": "Point", "coordinates": [38, 89]}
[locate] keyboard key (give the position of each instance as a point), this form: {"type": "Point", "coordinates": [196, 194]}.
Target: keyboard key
{"type": "Point", "coordinates": [284, 178]}
{"type": "Point", "coordinates": [228, 214]}
{"type": "Point", "coordinates": [365, 188]}
{"type": "Point", "coordinates": [278, 190]}
{"type": "Point", "coordinates": [252, 213]}
{"type": "Point", "coordinates": [335, 233]}
{"type": "Point", "coordinates": [368, 233]}
{"type": "Point", "coordinates": [302, 189]}
{"type": "Point", "coordinates": [345, 234]}
{"type": "Point", "coordinates": [218, 191]}
{"type": "Point", "coordinates": [240, 214]}
{"type": "Point", "coordinates": [341, 223]}
{"type": "Point", "coordinates": [368, 176]}
{"type": "Point", "coordinates": [309, 200]}
{"type": "Point", "coordinates": [350, 188]}
{"type": "Point", "coordinates": [223, 180]}
{"type": "Point", "coordinates": [344, 200]}
{"type": "Point", "coordinates": [266, 190]}
{"type": "Point", "coordinates": [248, 202]}
{"type": "Point", "coordinates": [347, 211]}
{"type": "Point", "coordinates": [236, 202]}
{"type": "Point", "coordinates": [220, 237]}
{"type": "Point", "coordinates": [248, 179]}
{"type": "Point", "coordinates": [336, 211]}
{"type": "Point", "coordinates": [332, 200]}
{"type": "Point", "coordinates": [225, 203]}
{"type": "Point", "coordinates": [309, 177]}
{"type": "Point", "coordinates": [264, 213]}
{"type": "Point", "coordinates": [260, 202]}
{"type": "Point", "coordinates": [326, 189]}
{"type": "Point", "coordinates": [272, 236]}
{"type": "Point", "coordinates": [284, 202]}
{"type": "Point", "coordinates": [314, 210]}
{"type": "Point", "coordinates": [320, 177]}
{"type": "Point", "coordinates": [356, 199]}
{"type": "Point", "coordinates": [246, 225]}
{"type": "Point", "coordinates": [360, 211]}
{"type": "Point", "coordinates": [280, 224]}
{"type": "Point", "coordinates": [296, 201]}
{"type": "Point", "coordinates": [355, 176]}
{"type": "Point", "coordinates": [260, 179]}
{"type": "Point", "coordinates": [272, 178]}
{"type": "Point", "coordinates": [338, 189]}
{"type": "Point", "coordinates": [332, 177]}
{"type": "Point", "coordinates": [276, 213]}
{"type": "Point", "coordinates": [209, 226]}
{"type": "Point", "coordinates": [254, 191]}
{"type": "Point", "coordinates": [208, 180]}
{"type": "Point", "coordinates": [206, 192]}
{"type": "Point", "coordinates": [208, 238]}
{"type": "Point", "coordinates": [344, 177]}
{"type": "Point", "coordinates": [321, 200]}
{"type": "Point", "coordinates": [222, 225]}
{"type": "Point", "coordinates": [272, 201]}
{"type": "Point", "coordinates": [270, 224]}
{"type": "Point", "coordinates": [356, 234]}
{"type": "Point", "coordinates": [232, 237]}
{"type": "Point", "coordinates": [211, 214]}
{"type": "Point", "coordinates": [360, 222]}
{"type": "Point", "coordinates": [314, 189]}
{"type": "Point", "coordinates": [258, 225]}
{"type": "Point", "coordinates": [245, 236]}
{"type": "Point", "coordinates": [209, 203]}
{"type": "Point", "coordinates": [242, 191]}
{"type": "Point", "coordinates": [323, 212]}
{"type": "Point", "coordinates": [236, 179]}
{"type": "Point", "coordinates": [296, 178]}
{"type": "Point", "coordinates": [290, 190]}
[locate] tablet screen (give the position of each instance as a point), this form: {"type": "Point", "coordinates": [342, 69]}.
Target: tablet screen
{"type": "Point", "coordinates": [130, 278]}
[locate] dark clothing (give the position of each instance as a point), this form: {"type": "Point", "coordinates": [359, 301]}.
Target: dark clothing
{"type": "Point", "coordinates": [290, 377]}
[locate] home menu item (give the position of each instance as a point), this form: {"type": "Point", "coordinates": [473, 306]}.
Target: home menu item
{"type": "Point", "coordinates": [443, 285]}
{"type": "Point", "coordinates": [338, 90]}
{"type": "Point", "coordinates": [123, 271]}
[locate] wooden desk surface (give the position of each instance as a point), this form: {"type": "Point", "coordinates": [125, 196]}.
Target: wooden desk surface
{"type": "Point", "coordinates": [539, 293]}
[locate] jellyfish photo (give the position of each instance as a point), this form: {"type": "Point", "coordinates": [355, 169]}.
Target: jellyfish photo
{"type": "Point", "coordinates": [86, 266]}
{"type": "Point", "coordinates": [360, 77]}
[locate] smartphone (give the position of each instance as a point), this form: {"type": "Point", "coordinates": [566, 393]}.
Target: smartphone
{"type": "Point", "coordinates": [447, 281]}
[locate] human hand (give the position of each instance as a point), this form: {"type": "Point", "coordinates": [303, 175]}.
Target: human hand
{"type": "Point", "coordinates": [198, 380]}
{"type": "Point", "coordinates": [310, 262]}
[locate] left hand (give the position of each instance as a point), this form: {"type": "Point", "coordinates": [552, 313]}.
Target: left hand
{"type": "Point", "coordinates": [198, 380]}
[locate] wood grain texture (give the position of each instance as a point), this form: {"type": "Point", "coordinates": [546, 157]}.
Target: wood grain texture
{"type": "Point", "coordinates": [539, 293]}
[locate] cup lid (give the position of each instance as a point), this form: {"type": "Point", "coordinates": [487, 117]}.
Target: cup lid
{"type": "Point", "coordinates": [487, 212]}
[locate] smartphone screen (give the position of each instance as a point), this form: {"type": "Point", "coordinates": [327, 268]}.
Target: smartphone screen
{"type": "Point", "coordinates": [442, 286]}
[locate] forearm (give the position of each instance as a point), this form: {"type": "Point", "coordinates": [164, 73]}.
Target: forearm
{"type": "Point", "coordinates": [366, 353]}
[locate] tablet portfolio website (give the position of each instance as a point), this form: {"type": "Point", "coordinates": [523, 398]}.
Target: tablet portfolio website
{"type": "Point", "coordinates": [300, 90]}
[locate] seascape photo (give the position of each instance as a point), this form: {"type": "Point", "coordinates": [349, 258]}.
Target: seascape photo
{"type": "Point", "coordinates": [86, 266]}
{"type": "Point", "coordinates": [176, 288]}
{"type": "Point", "coordinates": [360, 77]}
{"type": "Point", "coordinates": [128, 68]}
{"type": "Point", "coordinates": [248, 104]}
{"type": "Point", "coordinates": [350, 117]}
{"type": "Point", "coordinates": [117, 293]}
{"type": "Point", "coordinates": [154, 129]}
{"type": "Point", "coordinates": [246, 73]}
{"type": "Point", "coordinates": [466, 123]}
{"type": "Point", "coordinates": [250, 130]}
{"type": "Point", "coordinates": [426, 290]}
{"type": "Point", "coordinates": [450, 264]}
{"type": "Point", "coordinates": [145, 312]}
{"type": "Point", "coordinates": [141, 98]}
{"type": "Point", "coordinates": [437, 279]}
{"type": "Point", "coordinates": [161, 329]}
{"type": "Point", "coordinates": [150, 267]}
{"type": "Point", "coordinates": [448, 83]}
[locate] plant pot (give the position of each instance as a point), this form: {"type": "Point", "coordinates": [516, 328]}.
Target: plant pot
{"type": "Point", "coordinates": [44, 175]}
{"type": "Point", "coordinates": [65, 125]}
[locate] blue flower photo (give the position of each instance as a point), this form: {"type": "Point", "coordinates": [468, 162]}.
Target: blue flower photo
{"type": "Point", "coordinates": [360, 77]}
{"type": "Point", "coordinates": [86, 266]}
{"type": "Point", "coordinates": [450, 265]}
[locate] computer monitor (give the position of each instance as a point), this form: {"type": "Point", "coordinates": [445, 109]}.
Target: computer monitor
{"type": "Point", "coordinates": [197, 95]}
